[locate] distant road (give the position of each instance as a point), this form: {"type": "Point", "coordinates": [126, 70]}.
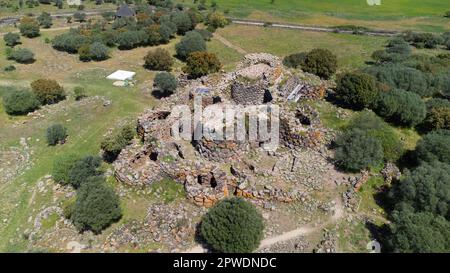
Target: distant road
{"type": "Point", "coordinates": [14, 19]}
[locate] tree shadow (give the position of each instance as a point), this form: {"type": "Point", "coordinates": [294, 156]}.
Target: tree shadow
{"type": "Point", "coordinates": [380, 233]}
{"type": "Point", "coordinates": [159, 94]}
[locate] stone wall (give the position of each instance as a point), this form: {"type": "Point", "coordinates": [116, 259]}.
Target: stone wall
{"type": "Point", "coordinates": [248, 93]}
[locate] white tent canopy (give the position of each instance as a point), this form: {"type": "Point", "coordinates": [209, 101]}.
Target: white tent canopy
{"type": "Point", "coordinates": [121, 75]}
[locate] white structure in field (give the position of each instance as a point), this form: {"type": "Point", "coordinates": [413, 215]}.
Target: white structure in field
{"type": "Point", "coordinates": [121, 75]}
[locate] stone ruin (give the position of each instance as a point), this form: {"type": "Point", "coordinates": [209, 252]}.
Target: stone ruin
{"type": "Point", "coordinates": [213, 169]}
{"type": "Point", "coordinates": [295, 89]}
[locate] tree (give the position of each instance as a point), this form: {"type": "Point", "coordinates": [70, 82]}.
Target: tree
{"type": "Point", "coordinates": [45, 20]}
{"type": "Point", "coordinates": [232, 226]}
{"type": "Point", "coordinates": [29, 27]}
{"type": "Point", "coordinates": [201, 63]}
{"type": "Point", "coordinates": [82, 169]}
{"type": "Point", "coordinates": [56, 134]}
{"type": "Point", "coordinates": [98, 51]}
{"type": "Point", "coordinates": [62, 166]}
{"type": "Point", "coordinates": [438, 115]}
{"type": "Point", "coordinates": [182, 21]}
{"type": "Point", "coordinates": [158, 59]}
{"type": "Point", "coordinates": [295, 60]}
{"type": "Point", "coordinates": [434, 146]}
{"type": "Point", "coordinates": [425, 189]}
{"type": "Point", "coordinates": [153, 35]}
{"type": "Point", "coordinates": [84, 53]}
{"type": "Point", "coordinates": [216, 19]}
{"type": "Point", "coordinates": [166, 82]}
{"type": "Point", "coordinates": [320, 62]}
{"type": "Point", "coordinates": [19, 101]}
{"type": "Point", "coordinates": [11, 39]}
{"type": "Point", "coordinates": [21, 55]}
{"type": "Point", "coordinates": [129, 39]}
{"type": "Point", "coordinates": [356, 90]}
{"type": "Point", "coordinates": [191, 42]}
{"type": "Point", "coordinates": [207, 35]}
{"type": "Point", "coordinates": [79, 16]}
{"type": "Point", "coordinates": [357, 150]}
{"type": "Point", "coordinates": [97, 206]}
{"type": "Point", "coordinates": [401, 107]}
{"type": "Point", "coordinates": [69, 42]}
{"type": "Point", "coordinates": [167, 31]}
{"type": "Point", "coordinates": [48, 91]}
{"type": "Point", "coordinates": [113, 144]}
{"type": "Point", "coordinates": [419, 233]}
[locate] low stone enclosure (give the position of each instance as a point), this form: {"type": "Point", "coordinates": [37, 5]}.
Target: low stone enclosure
{"type": "Point", "coordinates": [212, 169]}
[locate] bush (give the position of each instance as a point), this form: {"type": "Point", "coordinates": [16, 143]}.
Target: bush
{"type": "Point", "coordinates": [216, 19]}
{"type": "Point", "coordinates": [113, 144]}
{"type": "Point", "coordinates": [98, 51]}
{"type": "Point", "coordinates": [295, 60]}
{"type": "Point", "coordinates": [167, 31]}
{"type": "Point", "coordinates": [153, 33]}
{"type": "Point", "coordinates": [29, 27]}
{"type": "Point", "coordinates": [434, 146]}
{"type": "Point", "coordinates": [82, 169]}
{"type": "Point", "coordinates": [79, 16]}
{"type": "Point", "coordinates": [11, 39]}
{"type": "Point", "coordinates": [425, 189]}
{"type": "Point", "coordinates": [96, 207]}
{"type": "Point", "coordinates": [166, 82]}
{"type": "Point", "coordinates": [47, 91]}
{"type": "Point", "coordinates": [191, 42]}
{"type": "Point", "coordinates": [232, 226]}
{"type": "Point", "coordinates": [79, 92]}
{"type": "Point", "coordinates": [69, 42]}
{"type": "Point", "coordinates": [438, 115]}
{"type": "Point", "coordinates": [84, 53]}
{"type": "Point", "coordinates": [130, 39]}
{"type": "Point", "coordinates": [45, 20]}
{"type": "Point", "coordinates": [356, 90]}
{"type": "Point", "coordinates": [207, 35]}
{"type": "Point", "coordinates": [158, 59]}
{"type": "Point", "coordinates": [21, 55]}
{"type": "Point", "coordinates": [398, 46]}
{"type": "Point", "coordinates": [320, 62]}
{"type": "Point", "coordinates": [62, 166]}
{"type": "Point", "coordinates": [201, 63]}
{"type": "Point", "coordinates": [19, 101]}
{"type": "Point", "coordinates": [401, 107]}
{"type": "Point", "coordinates": [183, 22]}
{"type": "Point", "coordinates": [375, 127]}
{"type": "Point", "coordinates": [357, 150]}
{"type": "Point", "coordinates": [56, 134]}
{"type": "Point", "coordinates": [9, 68]}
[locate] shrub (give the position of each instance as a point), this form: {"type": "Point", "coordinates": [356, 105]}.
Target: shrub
{"type": "Point", "coordinates": [320, 62]}
{"type": "Point", "coordinates": [45, 20]}
{"type": "Point", "coordinates": [11, 39]}
{"type": "Point", "coordinates": [357, 150]}
{"type": "Point", "coordinates": [96, 207]}
{"type": "Point", "coordinates": [113, 144]}
{"type": "Point", "coordinates": [98, 51]}
{"type": "Point", "coordinates": [166, 31]}
{"type": "Point", "coordinates": [48, 91]}
{"type": "Point", "coordinates": [207, 35]}
{"type": "Point", "coordinates": [130, 39]}
{"type": "Point", "coordinates": [356, 90]}
{"type": "Point", "coordinates": [21, 55]}
{"type": "Point", "coordinates": [375, 127]}
{"type": "Point", "coordinates": [166, 82]}
{"type": "Point", "coordinates": [183, 22]}
{"type": "Point", "coordinates": [201, 63]}
{"type": "Point", "coordinates": [216, 19]}
{"type": "Point", "coordinates": [29, 27]}
{"type": "Point", "coordinates": [295, 60]}
{"type": "Point", "coordinates": [425, 189]}
{"type": "Point", "coordinates": [153, 33]}
{"type": "Point", "coordinates": [233, 226]}
{"type": "Point", "coordinates": [158, 59]}
{"type": "Point", "coordinates": [434, 146]}
{"type": "Point", "coordinates": [56, 134]}
{"type": "Point", "coordinates": [438, 115]}
{"type": "Point", "coordinates": [62, 166]}
{"type": "Point", "coordinates": [401, 107]}
{"type": "Point", "coordinates": [79, 92]}
{"type": "Point", "coordinates": [84, 53]}
{"type": "Point", "coordinates": [19, 101]}
{"type": "Point", "coordinates": [191, 42]}
{"type": "Point", "coordinates": [79, 16]}
{"type": "Point", "coordinates": [82, 169]}
{"type": "Point", "coordinates": [399, 46]}
{"type": "Point", "coordinates": [9, 68]}
{"type": "Point", "coordinates": [69, 42]}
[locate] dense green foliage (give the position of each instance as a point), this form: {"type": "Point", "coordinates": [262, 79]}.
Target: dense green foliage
{"type": "Point", "coordinates": [96, 207]}
{"type": "Point", "coordinates": [166, 82]}
{"type": "Point", "coordinates": [29, 27]}
{"type": "Point", "coordinates": [438, 115]}
{"type": "Point", "coordinates": [11, 39]}
{"type": "Point", "coordinates": [158, 59]}
{"type": "Point", "coordinates": [56, 133]}
{"type": "Point", "coordinates": [45, 20]}
{"type": "Point", "coordinates": [216, 19]}
{"type": "Point", "coordinates": [62, 166]}
{"type": "Point", "coordinates": [191, 42]}
{"type": "Point", "coordinates": [113, 144]}
{"type": "Point", "coordinates": [79, 92]}
{"type": "Point", "coordinates": [295, 60]}
{"type": "Point", "coordinates": [356, 90]}
{"type": "Point", "coordinates": [401, 107]}
{"type": "Point", "coordinates": [21, 55]}
{"type": "Point", "coordinates": [199, 64]}
{"type": "Point", "coordinates": [82, 169]}
{"type": "Point", "coordinates": [320, 62]}
{"type": "Point", "coordinates": [232, 226]}
{"type": "Point", "coordinates": [19, 101]}
{"type": "Point", "coordinates": [48, 91]}
{"type": "Point", "coordinates": [434, 146]}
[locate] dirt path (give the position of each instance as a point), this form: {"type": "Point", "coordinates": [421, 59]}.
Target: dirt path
{"type": "Point", "coordinates": [229, 44]}
{"type": "Point", "coordinates": [301, 231]}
